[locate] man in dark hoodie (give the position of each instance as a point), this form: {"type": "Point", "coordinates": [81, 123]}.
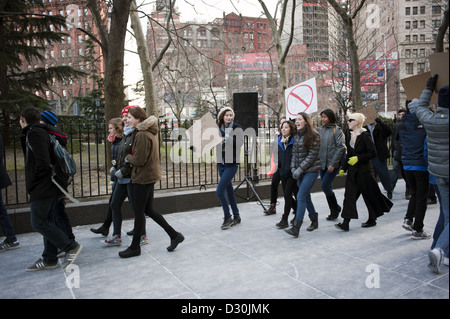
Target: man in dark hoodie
{"type": "Point", "coordinates": [43, 193]}
{"type": "Point", "coordinates": [49, 120]}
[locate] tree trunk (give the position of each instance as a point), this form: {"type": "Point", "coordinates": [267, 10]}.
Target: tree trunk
{"type": "Point", "coordinates": [442, 30]}
{"type": "Point", "coordinates": [356, 71]}
{"type": "Point", "coordinates": [144, 57]}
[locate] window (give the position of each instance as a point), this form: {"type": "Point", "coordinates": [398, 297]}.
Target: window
{"type": "Point", "coordinates": [422, 38]}
{"type": "Point", "coordinates": [414, 51]}
{"type": "Point", "coordinates": [409, 68]}
{"type": "Point", "coordinates": [415, 24]}
{"type": "Point", "coordinates": [407, 53]}
{"type": "Point", "coordinates": [422, 53]}
{"type": "Point", "coordinates": [420, 68]}
{"type": "Point", "coordinates": [415, 38]}
{"type": "Point", "coordinates": [415, 11]}
{"type": "Point", "coordinates": [408, 38]}
{"type": "Point", "coordinates": [422, 24]}
{"type": "Point", "coordinates": [435, 10]}
{"type": "Point", "coordinates": [407, 11]}
{"type": "Point", "coordinates": [422, 10]}
{"type": "Point", "coordinates": [407, 25]}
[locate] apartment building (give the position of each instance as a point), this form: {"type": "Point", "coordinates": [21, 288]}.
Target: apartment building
{"type": "Point", "coordinates": [70, 52]}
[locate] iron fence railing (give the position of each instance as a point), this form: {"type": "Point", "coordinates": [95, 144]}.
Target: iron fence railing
{"type": "Point", "coordinates": [180, 169]}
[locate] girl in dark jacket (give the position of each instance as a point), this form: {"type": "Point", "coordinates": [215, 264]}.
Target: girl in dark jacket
{"type": "Point", "coordinates": [228, 158]}
{"type": "Point", "coordinates": [305, 166]}
{"type": "Point", "coordinates": [360, 177]}
{"type": "Point", "coordinates": [290, 187]}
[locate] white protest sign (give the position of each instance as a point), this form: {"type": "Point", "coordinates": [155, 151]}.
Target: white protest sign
{"type": "Point", "coordinates": [301, 98]}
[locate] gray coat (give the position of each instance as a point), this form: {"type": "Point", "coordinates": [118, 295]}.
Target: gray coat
{"type": "Point", "coordinates": [304, 160]}
{"type": "Point", "coordinates": [332, 146]}
{"type": "Point", "coordinates": [436, 125]}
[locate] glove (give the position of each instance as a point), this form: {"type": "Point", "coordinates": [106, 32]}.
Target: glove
{"type": "Point", "coordinates": [353, 160]}
{"type": "Point", "coordinates": [119, 174]}
{"type": "Point", "coordinates": [412, 106]}
{"type": "Point", "coordinates": [431, 82]}
{"type": "Point", "coordinates": [296, 174]}
{"type": "Point", "coordinates": [341, 172]}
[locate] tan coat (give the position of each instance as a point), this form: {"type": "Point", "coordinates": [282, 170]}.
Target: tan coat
{"type": "Point", "coordinates": [144, 156]}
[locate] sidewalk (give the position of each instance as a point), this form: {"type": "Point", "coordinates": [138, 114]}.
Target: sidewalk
{"type": "Point", "coordinates": [253, 260]}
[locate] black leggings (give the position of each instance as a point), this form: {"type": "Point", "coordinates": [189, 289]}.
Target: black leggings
{"type": "Point", "coordinates": [290, 190]}
{"type": "Point", "coordinates": [141, 200]}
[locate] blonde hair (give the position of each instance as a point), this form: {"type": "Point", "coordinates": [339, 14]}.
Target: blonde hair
{"type": "Point", "coordinates": [358, 117]}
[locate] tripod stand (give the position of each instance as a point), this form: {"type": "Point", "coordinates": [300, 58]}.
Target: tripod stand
{"type": "Point", "coordinates": [248, 179]}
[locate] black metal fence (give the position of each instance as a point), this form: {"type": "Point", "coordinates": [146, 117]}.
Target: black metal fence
{"type": "Point", "coordinates": [180, 168]}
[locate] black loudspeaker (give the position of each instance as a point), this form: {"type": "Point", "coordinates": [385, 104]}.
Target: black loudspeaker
{"type": "Point", "coordinates": [245, 107]}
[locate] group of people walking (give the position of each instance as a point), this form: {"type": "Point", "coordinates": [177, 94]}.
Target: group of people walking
{"type": "Point", "coordinates": [303, 153]}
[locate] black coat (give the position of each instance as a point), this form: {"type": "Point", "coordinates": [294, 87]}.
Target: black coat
{"type": "Point", "coordinates": [361, 179]}
{"type": "Point", "coordinates": [38, 163]}
{"type": "Point", "coordinates": [380, 134]}
{"type": "Point", "coordinates": [5, 181]}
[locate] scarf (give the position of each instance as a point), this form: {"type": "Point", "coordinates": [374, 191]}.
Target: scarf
{"type": "Point", "coordinates": [354, 135]}
{"type": "Point", "coordinates": [127, 130]}
{"type": "Point", "coordinates": [111, 138]}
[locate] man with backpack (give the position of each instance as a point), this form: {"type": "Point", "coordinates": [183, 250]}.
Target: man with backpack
{"type": "Point", "coordinates": [48, 121]}
{"type": "Point", "coordinates": [43, 193]}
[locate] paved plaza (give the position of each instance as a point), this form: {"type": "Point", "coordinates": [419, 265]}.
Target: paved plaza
{"type": "Point", "coordinates": [253, 260]}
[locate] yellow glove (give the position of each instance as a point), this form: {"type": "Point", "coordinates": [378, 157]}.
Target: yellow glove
{"type": "Point", "coordinates": [341, 173]}
{"type": "Point", "coordinates": [353, 160]}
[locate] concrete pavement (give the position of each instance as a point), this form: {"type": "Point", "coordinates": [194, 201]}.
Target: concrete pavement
{"type": "Point", "coordinates": [253, 260]}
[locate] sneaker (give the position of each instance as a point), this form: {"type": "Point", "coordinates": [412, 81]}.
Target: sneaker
{"type": "Point", "coordinates": [40, 264]}
{"type": "Point", "coordinates": [236, 220]}
{"type": "Point", "coordinates": [115, 240]}
{"type": "Point", "coordinates": [420, 235]}
{"type": "Point", "coordinates": [8, 246]}
{"type": "Point", "coordinates": [227, 223]}
{"type": "Point", "coordinates": [144, 240]}
{"type": "Point", "coordinates": [435, 257]}
{"type": "Point", "coordinates": [407, 224]}
{"type": "Point", "coordinates": [445, 262]}
{"type": "Point", "coordinates": [60, 254]}
{"type": "Point", "coordinates": [71, 256]}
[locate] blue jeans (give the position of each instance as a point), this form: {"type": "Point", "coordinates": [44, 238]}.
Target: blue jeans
{"type": "Point", "coordinates": [5, 222]}
{"type": "Point", "coordinates": [42, 214]}
{"type": "Point", "coordinates": [440, 236]}
{"type": "Point", "coordinates": [327, 180]}
{"type": "Point", "coordinates": [305, 182]}
{"type": "Point", "coordinates": [380, 168]}
{"type": "Point", "coordinates": [227, 173]}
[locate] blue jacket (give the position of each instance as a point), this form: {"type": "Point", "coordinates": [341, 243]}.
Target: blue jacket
{"type": "Point", "coordinates": [284, 157]}
{"type": "Point", "coordinates": [412, 135]}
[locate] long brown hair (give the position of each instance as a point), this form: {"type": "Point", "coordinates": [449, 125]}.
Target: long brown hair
{"type": "Point", "coordinates": [311, 134]}
{"type": "Point", "coordinates": [138, 113]}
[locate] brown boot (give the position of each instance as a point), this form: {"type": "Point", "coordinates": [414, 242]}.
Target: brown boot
{"type": "Point", "coordinates": [272, 209]}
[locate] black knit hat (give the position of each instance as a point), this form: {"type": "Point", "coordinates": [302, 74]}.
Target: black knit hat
{"type": "Point", "coordinates": [443, 97]}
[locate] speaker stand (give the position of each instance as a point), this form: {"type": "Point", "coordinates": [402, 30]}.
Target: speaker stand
{"type": "Point", "coordinates": [249, 188]}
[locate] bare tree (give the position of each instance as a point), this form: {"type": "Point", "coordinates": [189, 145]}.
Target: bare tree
{"type": "Point", "coordinates": [347, 16]}
{"type": "Point", "coordinates": [112, 44]}
{"type": "Point", "coordinates": [277, 31]}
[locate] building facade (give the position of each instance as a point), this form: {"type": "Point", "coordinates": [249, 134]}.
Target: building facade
{"type": "Point", "coordinates": [74, 50]}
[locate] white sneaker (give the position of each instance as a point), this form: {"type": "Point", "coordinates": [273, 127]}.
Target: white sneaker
{"type": "Point", "coordinates": [436, 256]}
